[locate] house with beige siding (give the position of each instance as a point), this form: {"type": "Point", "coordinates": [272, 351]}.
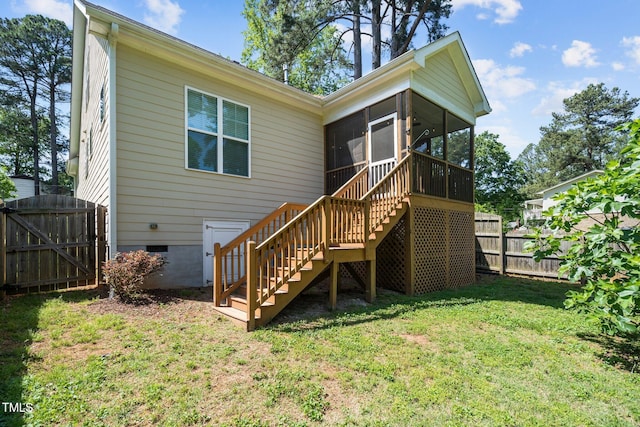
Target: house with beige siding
{"type": "Point", "coordinates": [256, 187]}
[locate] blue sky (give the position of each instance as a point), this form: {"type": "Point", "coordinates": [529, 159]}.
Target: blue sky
{"type": "Point", "coordinates": [529, 54]}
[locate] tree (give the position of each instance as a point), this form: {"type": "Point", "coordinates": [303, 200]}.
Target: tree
{"type": "Point", "coordinates": [16, 147]}
{"type": "Point", "coordinates": [606, 255]}
{"type": "Point", "coordinates": [498, 179]}
{"type": "Point", "coordinates": [21, 53]}
{"type": "Point", "coordinates": [580, 139]}
{"type": "Point", "coordinates": [7, 187]}
{"type": "Point", "coordinates": [279, 32]}
{"type": "Point", "coordinates": [57, 74]}
{"type": "Point", "coordinates": [34, 66]}
{"type": "Point", "coordinates": [282, 37]}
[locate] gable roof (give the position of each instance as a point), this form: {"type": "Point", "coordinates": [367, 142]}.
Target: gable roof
{"type": "Point", "coordinates": [398, 74]}
{"type": "Point", "coordinates": [582, 177]}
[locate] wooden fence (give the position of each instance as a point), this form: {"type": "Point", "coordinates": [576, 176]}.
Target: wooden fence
{"type": "Point", "coordinates": [502, 253]}
{"type": "Point", "coordinates": [50, 242]}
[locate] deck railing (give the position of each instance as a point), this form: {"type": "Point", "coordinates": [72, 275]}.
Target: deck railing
{"type": "Point", "coordinates": [335, 178]}
{"type": "Point", "coordinates": [229, 261]}
{"type": "Point", "coordinates": [460, 184]}
{"type": "Point", "coordinates": [388, 193]}
{"type": "Point", "coordinates": [356, 187]}
{"type": "Point", "coordinates": [435, 177]}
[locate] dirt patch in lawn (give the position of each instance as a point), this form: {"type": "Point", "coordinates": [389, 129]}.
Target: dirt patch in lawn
{"type": "Point", "coordinates": [195, 303]}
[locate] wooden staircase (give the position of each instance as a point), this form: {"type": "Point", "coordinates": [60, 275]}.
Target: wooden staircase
{"type": "Point", "coordinates": [264, 269]}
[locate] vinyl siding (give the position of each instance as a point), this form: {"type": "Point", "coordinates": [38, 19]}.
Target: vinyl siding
{"type": "Point", "coordinates": [93, 172]}
{"type": "Point", "coordinates": [440, 82]}
{"type": "Point", "coordinates": [154, 186]}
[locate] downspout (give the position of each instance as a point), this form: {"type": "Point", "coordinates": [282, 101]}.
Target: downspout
{"type": "Point", "coordinates": [113, 157]}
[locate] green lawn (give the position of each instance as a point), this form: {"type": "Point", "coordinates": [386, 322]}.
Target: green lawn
{"type": "Point", "coordinates": [502, 352]}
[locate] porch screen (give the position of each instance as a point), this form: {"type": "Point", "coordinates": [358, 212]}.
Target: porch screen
{"type": "Point", "coordinates": [459, 141]}
{"type": "Point", "coordinates": [217, 134]}
{"type": "Point", "coordinates": [345, 142]}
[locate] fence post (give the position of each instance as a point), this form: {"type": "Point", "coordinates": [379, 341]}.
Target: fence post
{"type": "Point", "coordinates": [252, 291]}
{"type": "Point", "coordinates": [501, 245]}
{"type": "Point", "coordinates": [217, 275]}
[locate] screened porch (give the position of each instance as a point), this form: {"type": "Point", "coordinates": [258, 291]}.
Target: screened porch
{"type": "Point", "coordinates": [380, 135]}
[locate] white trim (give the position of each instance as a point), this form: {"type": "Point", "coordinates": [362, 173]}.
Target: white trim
{"type": "Point", "coordinates": [373, 165]}
{"type": "Point", "coordinates": [220, 134]}
{"type": "Point", "coordinates": [113, 140]}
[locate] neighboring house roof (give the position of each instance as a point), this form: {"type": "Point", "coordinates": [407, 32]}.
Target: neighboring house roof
{"type": "Point", "coordinates": [396, 74]}
{"type": "Point", "coordinates": [571, 181]}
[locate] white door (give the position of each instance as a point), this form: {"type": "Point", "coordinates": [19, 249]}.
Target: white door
{"type": "Point", "coordinates": [218, 232]}
{"type": "Point", "coordinates": [383, 147]}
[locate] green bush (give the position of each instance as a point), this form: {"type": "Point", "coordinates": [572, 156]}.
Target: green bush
{"type": "Point", "coordinates": [606, 256]}
{"type": "Point", "coordinates": [125, 274]}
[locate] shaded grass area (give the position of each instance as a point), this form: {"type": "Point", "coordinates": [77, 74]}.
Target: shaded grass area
{"type": "Point", "coordinates": [502, 352]}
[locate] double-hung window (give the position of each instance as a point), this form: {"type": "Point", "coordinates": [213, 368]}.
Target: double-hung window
{"type": "Point", "coordinates": [217, 134]}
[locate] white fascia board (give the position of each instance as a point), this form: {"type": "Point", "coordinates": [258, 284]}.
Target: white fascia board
{"type": "Point", "coordinates": [389, 71]}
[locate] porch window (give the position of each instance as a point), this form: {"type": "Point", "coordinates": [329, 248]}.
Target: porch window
{"type": "Point", "coordinates": [459, 141]}
{"type": "Point", "coordinates": [428, 128]}
{"type": "Point", "coordinates": [217, 134]}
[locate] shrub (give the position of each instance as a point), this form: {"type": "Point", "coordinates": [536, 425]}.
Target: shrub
{"type": "Point", "coordinates": [606, 256]}
{"type": "Point", "coordinates": [125, 274]}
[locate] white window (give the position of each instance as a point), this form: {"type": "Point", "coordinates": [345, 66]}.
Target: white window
{"type": "Point", "coordinates": [217, 134]}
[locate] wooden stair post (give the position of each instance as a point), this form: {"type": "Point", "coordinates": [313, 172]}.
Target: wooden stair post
{"type": "Point", "coordinates": [252, 291]}
{"type": "Point", "coordinates": [217, 275]}
{"type": "Point", "coordinates": [333, 285]}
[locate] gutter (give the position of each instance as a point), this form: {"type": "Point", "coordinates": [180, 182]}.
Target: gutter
{"type": "Point", "coordinates": [80, 20]}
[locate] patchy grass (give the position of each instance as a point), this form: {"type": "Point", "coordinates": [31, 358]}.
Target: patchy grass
{"type": "Point", "coordinates": [503, 352]}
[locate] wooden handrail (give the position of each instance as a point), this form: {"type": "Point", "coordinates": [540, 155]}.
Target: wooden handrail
{"type": "Point", "coordinates": [229, 269]}
{"type": "Point", "coordinates": [385, 196]}
{"type": "Point", "coordinates": [356, 187]}
{"type": "Point", "coordinates": [329, 221]}
{"type": "Point", "coordinates": [263, 225]}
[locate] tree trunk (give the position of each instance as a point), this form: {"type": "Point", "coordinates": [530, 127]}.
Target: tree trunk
{"type": "Point", "coordinates": [34, 133]}
{"type": "Point", "coordinates": [357, 41]}
{"type": "Point", "coordinates": [394, 30]}
{"type": "Point", "coordinates": [376, 33]}
{"type": "Point", "coordinates": [405, 46]}
{"type": "Point", "coordinates": [54, 137]}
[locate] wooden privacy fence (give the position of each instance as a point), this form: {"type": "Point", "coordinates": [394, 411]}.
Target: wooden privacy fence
{"type": "Point", "coordinates": [51, 242]}
{"type": "Point", "coordinates": [502, 253]}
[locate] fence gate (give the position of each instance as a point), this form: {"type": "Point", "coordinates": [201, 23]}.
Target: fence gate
{"type": "Point", "coordinates": [51, 242]}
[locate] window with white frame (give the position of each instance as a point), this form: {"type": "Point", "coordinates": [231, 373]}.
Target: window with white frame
{"type": "Point", "coordinates": [217, 134]}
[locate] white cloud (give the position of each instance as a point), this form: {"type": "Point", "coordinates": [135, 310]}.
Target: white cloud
{"type": "Point", "coordinates": [57, 9]}
{"type": "Point", "coordinates": [558, 92]}
{"type": "Point", "coordinates": [164, 15]}
{"type": "Point", "coordinates": [502, 83]}
{"type": "Point", "coordinates": [519, 49]}
{"type": "Point", "coordinates": [580, 54]}
{"type": "Point", "coordinates": [633, 43]}
{"type": "Point", "coordinates": [506, 10]}
{"type": "Point", "coordinates": [617, 66]}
